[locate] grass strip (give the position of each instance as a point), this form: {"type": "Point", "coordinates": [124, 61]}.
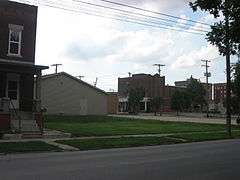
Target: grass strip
{"type": "Point", "coordinates": [124, 142]}
{"type": "Point", "coordinates": [202, 136]}
{"type": "Point", "coordinates": [24, 147]}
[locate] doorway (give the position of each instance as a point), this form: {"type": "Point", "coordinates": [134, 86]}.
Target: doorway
{"type": "Point", "coordinates": [12, 90]}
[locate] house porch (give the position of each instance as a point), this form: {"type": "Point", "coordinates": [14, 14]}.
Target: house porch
{"type": "Point", "coordinates": [19, 94]}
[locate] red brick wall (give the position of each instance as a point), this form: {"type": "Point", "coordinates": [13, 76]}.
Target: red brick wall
{"type": "Point", "coordinates": [23, 15]}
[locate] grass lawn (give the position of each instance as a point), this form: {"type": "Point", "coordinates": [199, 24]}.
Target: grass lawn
{"type": "Point", "coordinates": [23, 147]}
{"type": "Point", "coordinates": [196, 137]}
{"type": "Point", "coordinates": [105, 143]}
{"type": "Point", "coordinates": [106, 126]}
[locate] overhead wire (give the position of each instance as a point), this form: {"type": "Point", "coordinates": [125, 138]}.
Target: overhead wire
{"type": "Point", "coordinates": [154, 12]}
{"type": "Point", "coordinates": [135, 13]}
{"type": "Point", "coordinates": [128, 19]}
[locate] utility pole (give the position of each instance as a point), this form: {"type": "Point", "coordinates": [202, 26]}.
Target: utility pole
{"type": "Point", "coordinates": [80, 77]}
{"type": "Point", "coordinates": [56, 67]}
{"type": "Point", "coordinates": [207, 74]}
{"type": "Point", "coordinates": [95, 83]}
{"type": "Point", "coordinates": [159, 68]}
{"type": "Point", "coordinates": [228, 70]}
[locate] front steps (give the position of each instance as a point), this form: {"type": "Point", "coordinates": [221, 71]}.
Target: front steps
{"type": "Point", "coordinates": [28, 126]}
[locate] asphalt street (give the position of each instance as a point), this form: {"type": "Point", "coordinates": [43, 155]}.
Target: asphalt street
{"type": "Point", "coordinates": [207, 160]}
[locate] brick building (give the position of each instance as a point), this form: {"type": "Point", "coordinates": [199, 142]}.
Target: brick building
{"type": "Point", "coordinates": [219, 92]}
{"type": "Point", "coordinates": [153, 86]}
{"type": "Point", "coordinates": [18, 24]}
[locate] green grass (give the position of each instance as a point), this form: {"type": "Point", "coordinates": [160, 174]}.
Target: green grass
{"type": "Point", "coordinates": [196, 137]}
{"type": "Point", "coordinates": [107, 126]}
{"type": "Point", "coordinates": [106, 143]}
{"type": "Point", "coordinates": [24, 147]}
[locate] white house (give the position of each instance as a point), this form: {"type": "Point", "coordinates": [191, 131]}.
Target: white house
{"type": "Point", "coordinates": [64, 94]}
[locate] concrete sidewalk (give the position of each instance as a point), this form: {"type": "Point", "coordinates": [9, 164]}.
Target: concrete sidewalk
{"type": "Point", "coordinates": [177, 118]}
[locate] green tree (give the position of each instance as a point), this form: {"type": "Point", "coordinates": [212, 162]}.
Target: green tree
{"type": "Point", "coordinates": [196, 93]}
{"type": "Point", "coordinates": [186, 100]}
{"type": "Point", "coordinates": [177, 101]}
{"type": "Point", "coordinates": [134, 98]}
{"type": "Point", "coordinates": [225, 35]}
{"type": "Point", "coordinates": [235, 106]}
{"type": "Point", "coordinates": [236, 87]}
{"type": "Point", "coordinates": [156, 104]}
{"type": "Point", "coordinates": [231, 11]}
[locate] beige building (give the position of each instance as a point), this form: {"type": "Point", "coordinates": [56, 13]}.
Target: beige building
{"type": "Point", "coordinates": [64, 94]}
{"type": "Point", "coordinates": [112, 103]}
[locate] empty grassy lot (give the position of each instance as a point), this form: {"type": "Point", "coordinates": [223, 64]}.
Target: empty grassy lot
{"type": "Point", "coordinates": [107, 126]}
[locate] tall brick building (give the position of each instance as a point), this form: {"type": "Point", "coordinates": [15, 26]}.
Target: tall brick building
{"type": "Point", "coordinates": [18, 23]}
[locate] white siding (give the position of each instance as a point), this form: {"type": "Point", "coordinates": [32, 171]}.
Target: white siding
{"type": "Point", "coordinates": [62, 94]}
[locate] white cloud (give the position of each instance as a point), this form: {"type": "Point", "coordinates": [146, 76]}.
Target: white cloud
{"type": "Point", "coordinates": [194, 57]}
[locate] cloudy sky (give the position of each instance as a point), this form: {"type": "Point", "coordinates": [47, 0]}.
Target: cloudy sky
{"type": "Point", "coordinates": [93, 47]}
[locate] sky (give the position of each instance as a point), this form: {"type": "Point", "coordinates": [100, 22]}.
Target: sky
{"type": "Point", "coordinates": [93, 47]}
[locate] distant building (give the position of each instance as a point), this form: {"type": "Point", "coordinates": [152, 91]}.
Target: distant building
{"type": "Point", "coordinates": [220, 90]}
{"type": "Point", "coordinates": [64, 94]}
{"type": "Point", "coordinates": [112, 103]}
{"type": "Point", "coordinates": [153, 86]}
{"type": "Point", "coordinates": [184, 84]}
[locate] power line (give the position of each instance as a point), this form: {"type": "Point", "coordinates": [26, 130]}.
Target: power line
{"type": "Point", "coordinates": [125, 11]}
{"type": "Point", "coordinates": [154, 12]}
{"type": "Point", "coordinates": [35, 2]}
{"type": "Point", "coordinates": [139, 22]}
{"type": "Point", "coordinates": [135, 21]}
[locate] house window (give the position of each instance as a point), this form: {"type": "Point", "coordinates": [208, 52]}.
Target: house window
{"type": "Point", "coordinates": [15, 40]}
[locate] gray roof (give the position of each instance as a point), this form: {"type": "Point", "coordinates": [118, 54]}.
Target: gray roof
{"type": "Point", "coordinates": [73, 78]}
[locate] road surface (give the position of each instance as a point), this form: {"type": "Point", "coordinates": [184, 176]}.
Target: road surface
{"type": "Point", "coordinates": [208, 160]}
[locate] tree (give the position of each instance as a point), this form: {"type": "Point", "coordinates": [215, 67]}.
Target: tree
{"type": "Point", "coordinates": [156, 104]}
{"type": "Point", "coordinates": [231, 11]}
{"type": "Point", "coordinates": [186, 100]}
{"type": "Point", "coordinates": [177, 101]}
{"type": "Point", "coordinates": [236, 87]}
{"type": "Point", "coordinates": [225, 35]}
{"type": "Point", "coordinates": [196, 93]}
{"type": "Point", "coordinates": [134, 99]}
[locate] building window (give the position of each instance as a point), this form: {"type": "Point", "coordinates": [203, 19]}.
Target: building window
{"type": "Point", "coordinates": [15, 40]}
